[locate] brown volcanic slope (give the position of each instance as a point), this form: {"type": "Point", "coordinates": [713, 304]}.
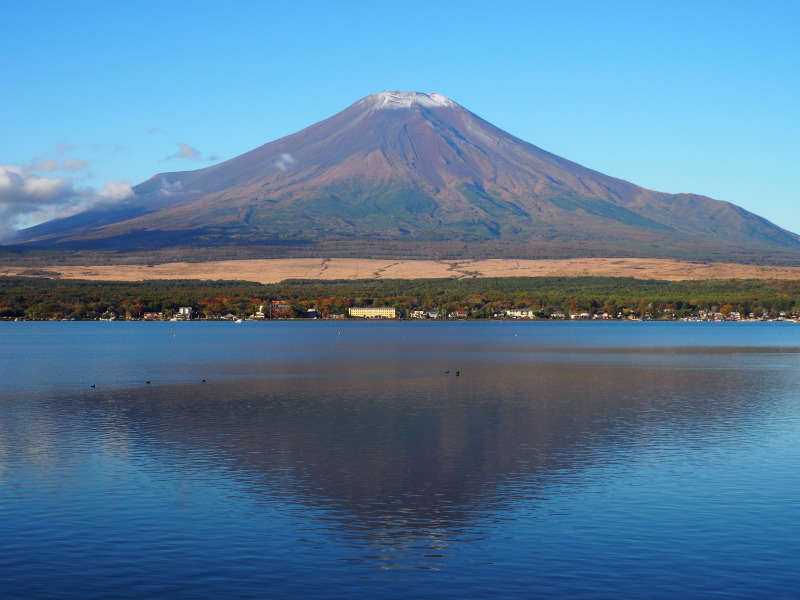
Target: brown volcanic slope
{"type": "Point", "coordinates": [402, 174]}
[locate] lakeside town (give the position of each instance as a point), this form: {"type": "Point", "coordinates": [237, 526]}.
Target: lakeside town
{"type": "Point", "coordinates": [286, 310]}
{"type": "Point", "coordinates": [553, 299]}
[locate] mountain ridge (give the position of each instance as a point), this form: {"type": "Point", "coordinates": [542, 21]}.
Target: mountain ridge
{"type": "Point", "coordinates": [398, 169]}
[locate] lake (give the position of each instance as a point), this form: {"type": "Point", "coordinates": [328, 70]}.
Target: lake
{"type": "Point", "coordinates": [399, 460]}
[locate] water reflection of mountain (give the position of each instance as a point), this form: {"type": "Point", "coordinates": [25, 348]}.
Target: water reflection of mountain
{"type": "Point", "coordinates": [428, 451]}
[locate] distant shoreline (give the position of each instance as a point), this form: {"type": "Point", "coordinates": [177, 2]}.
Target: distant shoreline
{"type": "Point", "coordinates": [449, 321]}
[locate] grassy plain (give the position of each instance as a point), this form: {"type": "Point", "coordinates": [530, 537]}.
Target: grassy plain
{"type": "Point", "coordinates": [276, 270]}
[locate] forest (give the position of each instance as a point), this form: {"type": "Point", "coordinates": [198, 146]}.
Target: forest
{"type": "Point", "coordinates": [477, 298]}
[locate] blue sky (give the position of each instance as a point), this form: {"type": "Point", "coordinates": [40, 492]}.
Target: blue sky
{"type": "Point", "coordinates": [698, 97]}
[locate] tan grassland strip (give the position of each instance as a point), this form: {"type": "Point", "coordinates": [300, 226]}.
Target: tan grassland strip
{"type": "Point", "coordinates": [275, 270]}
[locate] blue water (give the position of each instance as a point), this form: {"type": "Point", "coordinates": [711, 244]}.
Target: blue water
{"type": "Point", "coordinates": [332, 460]}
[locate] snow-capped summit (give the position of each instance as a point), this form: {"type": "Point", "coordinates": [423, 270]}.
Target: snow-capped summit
{"type": "Point", "coordinates": [392, 100]}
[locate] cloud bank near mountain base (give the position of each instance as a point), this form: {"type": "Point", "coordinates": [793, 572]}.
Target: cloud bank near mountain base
{"type": "Point", "coordinates": [27, 198]}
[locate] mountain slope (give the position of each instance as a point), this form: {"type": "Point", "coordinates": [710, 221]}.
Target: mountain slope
{"type": "Point", "coordinates": [398, 172]}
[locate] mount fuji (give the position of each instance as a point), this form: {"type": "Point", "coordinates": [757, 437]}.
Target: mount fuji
{"type": "Point", "coordinates": [409, 174]}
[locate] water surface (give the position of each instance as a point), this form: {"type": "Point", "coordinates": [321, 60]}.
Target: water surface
{"type": "Point", "coordinates": [329, 460]}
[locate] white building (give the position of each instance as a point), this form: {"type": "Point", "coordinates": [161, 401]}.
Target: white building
{"type": "Point", "coordinates": [184, 314]}
{"type": "Point", "coordinates": [374, 312]}
{"type": "Point", "coordinates": [520, 313]}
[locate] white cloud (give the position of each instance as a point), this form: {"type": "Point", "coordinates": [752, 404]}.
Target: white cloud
{"type": "Point", "coordinates": [185, 151]}
{"type": "Point", "coordinates": [37, 164]}
{"type": "Point", "coordinates": [284, 161]}
{"type": "Point", "coordinates": [17, 184]}
{"type": "Point", "coordinates": [50, 165]}
{"type": "Point", "coordinates": [26, 198]}
{"type": "Point", "coordinates": [74, 164]}
{"type": "Point", "coordinates": [116, 191]}
{"type": "Point", "coordinates": [170, 189]}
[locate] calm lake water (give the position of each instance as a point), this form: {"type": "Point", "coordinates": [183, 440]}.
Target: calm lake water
{"type": "Point", "coordinates": [341, 460]}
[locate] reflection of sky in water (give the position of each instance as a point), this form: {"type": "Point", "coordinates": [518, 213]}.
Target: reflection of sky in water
{"type": "Point", "coordinates": [311, 461]}
{"type": "Point", "coordinates": [42, 356]}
